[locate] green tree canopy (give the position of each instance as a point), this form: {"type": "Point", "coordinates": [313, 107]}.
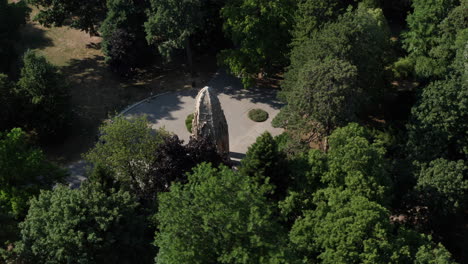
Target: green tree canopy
{"type": "Point", "coordinates": [172, 23]}
{"type": "Point", "coordinates": [218, 216]}
{"type": "Point", "coordinates": [324, 96]}
{"type": "Point", "coordinates": [263, 160]}
{"type": "Point", "coordinates": [84, 15]}
{"type": "Point", "coordinates": [260, 32]}
{"type": "Point", "coordinates": [45, 94]}
{"type": "Point", "coordinates": [311, 15]}
{"type": "Point", "coordinates": [348, 228]}
{"type": "Point", "coordinates": [344, 228]}
{"type": "Point", "coordinates": [360, 36]}
{"type": "Point", "coordinates": [123, 36]}
{"type": "Point", "coordinates": [446, 185]}
{"type": "Point", "coordinates": [85, 225]}
{"type": "Point", "coordinates": [127, 149]}
{"type": "Point", "coordinates": [433, 27]}
{"type": "Point", "coordinates": [357, 164]}
{"type": "Point", "coordinates": [23, 172]}
{"type": "Point", "coordinates": [438, 126]}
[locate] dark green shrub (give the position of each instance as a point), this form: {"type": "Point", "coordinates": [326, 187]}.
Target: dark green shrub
{"type": "Point", "coordinates": [258, 115]}
{"type": "Point", "coordinates": [188, 122]}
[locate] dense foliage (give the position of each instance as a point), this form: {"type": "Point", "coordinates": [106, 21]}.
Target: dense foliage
{"type": "Point", "coordinates": [85, 16]}
{"type": "Point", "coordinates": [44, 94]}
{"type": "Point", "coordinates": [24, 171]}
{"type": "Point", "coordinates": [372, 166]}
{"type": "Point", "coordinates": [218, 216]}
{"type": "Point", "coordinates": [260, 32]}
{"type": "Point", "coordinates": [258, 115]}
{"type": "Point", "coordinates": [82, 226]}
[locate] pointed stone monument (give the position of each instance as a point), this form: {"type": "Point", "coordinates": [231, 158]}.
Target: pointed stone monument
{"type": "Point", "coordinates": [209, 121]}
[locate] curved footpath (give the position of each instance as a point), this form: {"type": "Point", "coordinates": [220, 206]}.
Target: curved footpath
{"type": "Point", "coordinates": [170, 110]}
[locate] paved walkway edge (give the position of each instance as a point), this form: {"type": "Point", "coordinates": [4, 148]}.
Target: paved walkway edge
{"type": "Point", "coordinates": [140, 102]}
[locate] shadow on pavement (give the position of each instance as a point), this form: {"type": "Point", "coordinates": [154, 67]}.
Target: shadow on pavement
{"type": "Point", "coordinates": [232, 86]}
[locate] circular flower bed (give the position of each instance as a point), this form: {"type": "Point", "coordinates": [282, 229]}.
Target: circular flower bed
{"type": "Point", "coordinates": [258, 115]}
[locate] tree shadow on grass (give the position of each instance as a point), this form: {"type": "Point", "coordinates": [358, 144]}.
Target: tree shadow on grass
{"type": "Point", "coordinates": [33, 37]}
{"type": "Point", "coordinates": [96, 93]}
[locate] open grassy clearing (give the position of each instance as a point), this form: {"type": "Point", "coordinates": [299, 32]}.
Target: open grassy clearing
{"type": "Point", "coordinates": [95, 91]}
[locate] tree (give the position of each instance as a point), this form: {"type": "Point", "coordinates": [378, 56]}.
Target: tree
{"type": "Point", "coordinates": [123, 36]}
{"type": "Point", "coordinates": [260, 32]}
{"type": "Point", "coordinates": [349, 228]}
{"type": "Point", "coordinates": [84, 15]}
{"type": "Point", "coordinates": [357, 164]}
{"type": "Point", "coordinates": [172, 23]}
{"type": "Point", "coordinates": [45, 95]}
{"type": "Point", "coordinates": [445, 183]}
{"type": "Point", "coordinates": [85, 225]}
{"type": "Point", "coordinates": [360, 37]}
{"type": "Point", "coordinates": [126, 148]}
{"type": "Point", "coordinates": [423, 33]}
{"type": "Point", "coordinates": [218, 216]}
{"type": "Point", "coordinates": [202, 150]}
{"type": "Point", "coordinates": [324, 96]}
{"type": "Point", "coordinates": [12, 16]}
{"type": "Point", "coordinates": [344, 228]}
{"type": "Point", "coordinates": [23, 172]}
{"type": "Point", "coordinates": [173, 160]}
{"type": "Point", "coordinates": [430, 254]}
{"type": "Point", "coordinates": [306, 172]}
{"type": "Point", "coordinates": [437, 127]}
{"type": "Point", "coordinates": [263, 161]}
{"type": "Point", "coordinates": [311, 15]}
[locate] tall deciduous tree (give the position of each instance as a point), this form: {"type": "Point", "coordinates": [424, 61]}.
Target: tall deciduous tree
{"type": "Point", "coordinates": [357, 164]}
{"type": "Point", "coordinates": [348, 228]}
{"type": "Point", "coordinates": [445, 184]}
{"type": "Point", "coordinates": [359, 36]}
{"type": "Point", "coordinates": [438, 126]}
{"type": "Point", "coordinates": [263, 160]}
{"type": "Point", "coordinates": [311, 15]}
{"type": "Point", "coordinates": [23, 172]}
{"type": "Point", "coordinates": [127, 148]}
{"type": "Point", "coordinates": [85, 225]}
{"type": "Point", "coordinates": [325, 96]}
{"type": "Point", "coordinates": [45, 95]}
{"type": "Point", "coordinates": [260, 32]}
{"type": "Point", "coordinates": [84, 15]}
{"type": "Point", "coordinates": [172, 23]}
{"type": "Point", "coordinates": [123, 35]}
{"type": "Point", "coordinates": [426, 33]}
{"type": "Point", "coordinates": [218, 216]}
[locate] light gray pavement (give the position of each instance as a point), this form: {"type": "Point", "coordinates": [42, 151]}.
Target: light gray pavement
{"type": "Point", "coordinates": [170, 110]}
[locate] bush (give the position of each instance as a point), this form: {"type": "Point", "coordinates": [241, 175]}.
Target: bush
{"type": "Point", "coordinates": [403, 68]}
{"type": "Point", "coordinates": [258, 115]}
{"type": "Point", "coordinates": [188, 122]}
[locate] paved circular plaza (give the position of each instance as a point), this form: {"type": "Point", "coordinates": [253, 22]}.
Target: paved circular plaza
{"type": "Point", "coordinates": [171, 109]}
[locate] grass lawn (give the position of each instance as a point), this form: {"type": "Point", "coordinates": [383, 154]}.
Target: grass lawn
{"type": "Point", "coordinates": [97, 92]}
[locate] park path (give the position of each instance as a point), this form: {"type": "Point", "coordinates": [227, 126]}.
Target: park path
{"type": "Point", "coordinates": [169, 110]}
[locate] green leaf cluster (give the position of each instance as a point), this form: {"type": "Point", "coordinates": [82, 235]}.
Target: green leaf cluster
{"type": "Point", "coordinates": [85, 225]}
{"type": "Point", "coordinates": [260, 32]}
{"type": "Point", "coordinates": [218, 216]}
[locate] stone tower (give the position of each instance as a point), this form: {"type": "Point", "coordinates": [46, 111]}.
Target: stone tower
{"type": "Point", "coordinates": [209, 121]}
